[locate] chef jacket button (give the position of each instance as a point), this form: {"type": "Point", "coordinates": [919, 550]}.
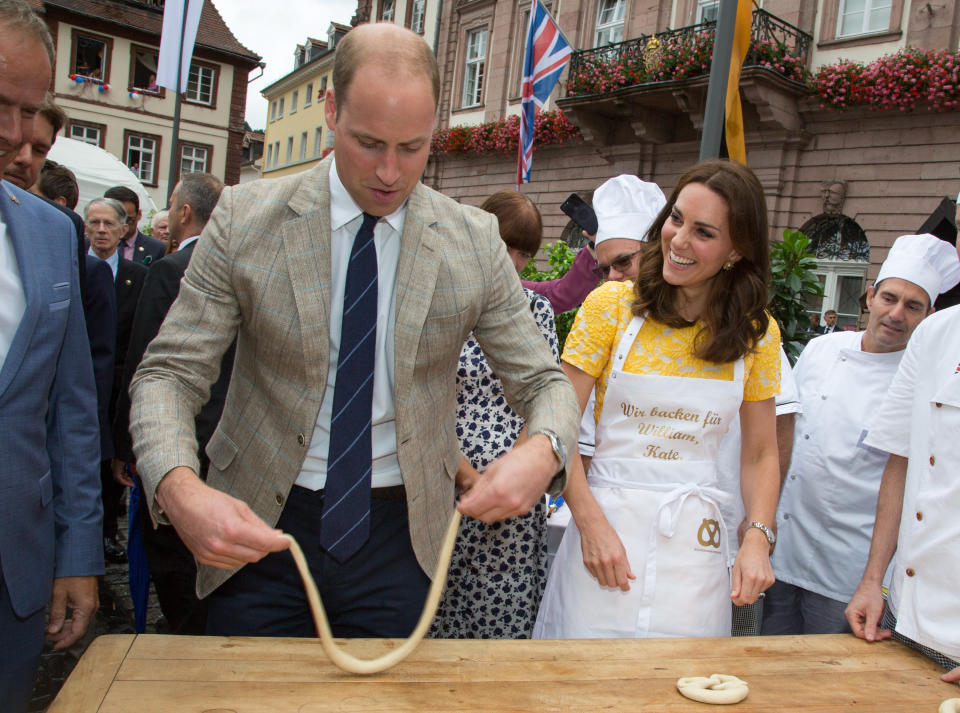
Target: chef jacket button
{"type": "Point", "coordinates": [933, 460]}
{"type": "Point", "coordinates": [279, 499]}
{"type": "Point", "coordinates": [300, 439]}
{"type": "Point", "coordinates": [806, 436]}
{"type": "Point", "coordinates": [843, 358]}
{"type": "Point", "coordinates": [793, 477]}
{"type": "Point", "coordinates": [824, 397]}
{"type": "Point", "coordinates": [786, 516]}
{"type": "Point", "coordinates": [939, 405]}
{"type": "Point", "coordinates": [910, 571]}
{"type": "Point", "coordinates": [919, 515]}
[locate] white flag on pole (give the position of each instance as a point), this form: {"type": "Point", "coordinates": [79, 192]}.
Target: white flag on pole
{"type": "Point", "coordinates": [170, 40]}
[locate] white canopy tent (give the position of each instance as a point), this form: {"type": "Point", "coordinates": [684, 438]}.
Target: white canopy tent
{"type": "Point", "coordinates": [96, 171]}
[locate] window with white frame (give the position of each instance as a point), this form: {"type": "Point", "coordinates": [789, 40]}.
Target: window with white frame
{"type": "Point", "coordinates": [142, 157]}
{"type": "Point", "coordinates": [474, 67]}
{"type": "Point", "coordinates": [86, 133]}
{"type": "Point", "coordinates": [417, 13]}
{"type": "Point", "coordinates": [308, 95]}
{"type": "Point", "coordinates": [386, 12]}
{"type": "Point", "coordinates": [862, 17]}
{"type": "Point", "coordinates": [843, 284]}
{"type": "Point", "coordinates": [193, 159]}
{"type": "Point", "coordinates": [200, 84]}
{"type": "Point", "coordinates": [91, 56]}
{"type": "Point", "coordinates": [294, 98]}
{"type": "Point", "coordinates": [318, 141]}
{"type": "Point", "coordinates": [609, 28]}
{"type": "Point", "coordinates": [707, 10]}
{"type": "Point", "coordinates": [303, 146]}
{"type": "Point", "coordinates": [269, 162]}
{"type": "Point", "coordinates": [273, 110]}
{"type": "Point", "coordinates": [289, 149]}
{"type": "Point", "coordinates": [280, 108]}
{"type": "Point", "coordinates": [329, 141]}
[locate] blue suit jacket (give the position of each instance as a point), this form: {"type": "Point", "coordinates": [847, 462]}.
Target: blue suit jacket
{"type": "Point", "coordinates": [50, 513]}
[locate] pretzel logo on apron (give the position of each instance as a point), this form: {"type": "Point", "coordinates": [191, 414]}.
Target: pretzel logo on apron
{"type": "Point", "coordinates": [709, 533]}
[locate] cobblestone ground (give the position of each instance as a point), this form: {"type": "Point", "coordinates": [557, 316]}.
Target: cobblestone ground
{"type": "Point", "coordinates": [115, 616]}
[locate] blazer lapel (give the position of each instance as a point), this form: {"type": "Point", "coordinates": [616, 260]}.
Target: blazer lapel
{"type": "Point", "coordinates": [306, 242]}
{"type": "Point", "coordinates": [416, 279]}
{"type": "Point", "coordinates": [25, 240]}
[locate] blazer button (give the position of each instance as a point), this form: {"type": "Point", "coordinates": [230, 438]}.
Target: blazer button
{"type": "Point", "coordinates": [300, 439]}
{"type": "Point", "coordinates": [279, 499]}
{"type": "Point", "coordinates": [910, 572]}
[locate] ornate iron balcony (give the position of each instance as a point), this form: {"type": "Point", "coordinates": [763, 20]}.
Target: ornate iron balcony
{"type": "Point", "coordinates": [685, 53]}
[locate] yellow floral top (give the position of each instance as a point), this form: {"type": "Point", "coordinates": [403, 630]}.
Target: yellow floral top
{"type": "Point", "coordinates": [659, 349]}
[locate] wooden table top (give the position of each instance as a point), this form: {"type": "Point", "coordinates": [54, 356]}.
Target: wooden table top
{"type": "Point", "coordinates": [149, 673]}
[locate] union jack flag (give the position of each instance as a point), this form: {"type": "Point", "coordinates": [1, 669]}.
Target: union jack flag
{"type": "Point", "coordinates": [546, 55]}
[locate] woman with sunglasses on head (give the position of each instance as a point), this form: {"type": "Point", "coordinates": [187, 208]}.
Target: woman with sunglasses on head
{"type": "Point", "coordinates": [498, 571]}
{"type": "Point", "coordinates": [675, 357]}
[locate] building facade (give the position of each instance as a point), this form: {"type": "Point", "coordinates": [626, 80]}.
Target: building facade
{"type": "Point", "coordinates": [105, 79]}
{"type": "Point", "coordinates": [855, 179]}
{"type": "Point", "coordinates": [421, 16]}
{"type": "Point", "coordinates": [297, 136]}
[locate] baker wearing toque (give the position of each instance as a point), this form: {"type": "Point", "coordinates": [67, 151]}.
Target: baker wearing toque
{"type": "Point", "coordinates": [826, 514]}
{"type": "Point", "coordinates": [917, 424]}
{"type": "Point", "coordinates": [626, 208]}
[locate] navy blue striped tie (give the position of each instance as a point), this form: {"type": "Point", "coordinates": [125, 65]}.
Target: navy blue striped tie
{"type": "Point", "coordinates": [345, 523]}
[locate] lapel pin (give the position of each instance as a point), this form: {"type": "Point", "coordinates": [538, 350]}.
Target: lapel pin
{"type": "Point", "coordinates": [128, 282]}
{"type": "Point", "coordinates": [13, 198]}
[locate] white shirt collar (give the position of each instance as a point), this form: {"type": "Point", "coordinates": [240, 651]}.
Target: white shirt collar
{"type": "Point", "coordinates": [113, 261]}
{"type": "Point", "coordinates": [186, 242]}
{"type": "Point", "coordinates": [343, 208]}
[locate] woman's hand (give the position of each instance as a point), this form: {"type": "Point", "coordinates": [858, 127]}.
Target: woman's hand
{"type": "Point", "coordinates": [605, 556]}
{"type": "Point", "coordinates": [752, 572]}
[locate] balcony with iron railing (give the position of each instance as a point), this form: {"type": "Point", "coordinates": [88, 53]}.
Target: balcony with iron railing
{"type": "Point", "coordinates": [639, 88]}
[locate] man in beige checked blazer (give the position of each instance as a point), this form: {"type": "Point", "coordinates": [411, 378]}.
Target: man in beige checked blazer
{"type": "Point", "coordinates": [269, 270]}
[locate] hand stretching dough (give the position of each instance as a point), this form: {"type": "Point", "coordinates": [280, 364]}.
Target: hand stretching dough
{"type": "Point", "coordinates": [717, 688]}
{"type": "Point", "coordinates": [951, 705]}
{"type": "Point", "coordinates": [352, 664]}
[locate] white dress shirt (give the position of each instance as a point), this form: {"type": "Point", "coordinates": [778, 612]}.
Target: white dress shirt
{"type": "Point", "coordinates": [186, 242]}
{"type": "Point", "coordinates": [345, 221]}
{"type": "Point", "coordinates": [113, 261]}
{"type": "Point", "coordinates": [12, 298]}
{"type": "Point", "coordinates": [920, 419]}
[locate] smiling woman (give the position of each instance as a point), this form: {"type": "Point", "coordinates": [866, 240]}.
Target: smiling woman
{"type": "Point", "coordinates": [688, 349]}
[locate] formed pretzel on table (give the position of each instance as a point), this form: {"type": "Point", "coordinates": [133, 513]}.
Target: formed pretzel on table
{"type": "Point", "coordinates": [717, 688]}
{"type": "Point", "coordinates": [951, 705]}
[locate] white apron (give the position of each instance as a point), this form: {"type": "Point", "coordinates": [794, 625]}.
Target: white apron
{"type": "Point", "coordinates": [654, 475]}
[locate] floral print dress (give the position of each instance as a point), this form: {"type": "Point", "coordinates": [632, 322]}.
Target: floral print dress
{"type": "Point", "coordinates": [498, 571]}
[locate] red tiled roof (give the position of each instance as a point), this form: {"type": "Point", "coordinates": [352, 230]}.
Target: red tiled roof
{"type": "Point", "coordinates": [213, 32]}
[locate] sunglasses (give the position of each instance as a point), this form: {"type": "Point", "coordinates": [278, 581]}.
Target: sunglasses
{"type": "Point", "coordinates": [620, 264]}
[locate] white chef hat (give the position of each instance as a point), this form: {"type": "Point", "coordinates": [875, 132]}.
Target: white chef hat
{"type": "Point", "coordinates": [626, 208]}
{"type": "Point", "coordinates": [925, 260]}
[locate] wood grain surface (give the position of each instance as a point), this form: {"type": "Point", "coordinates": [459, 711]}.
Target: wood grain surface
{"type": "Point", "coordinates": [813, 674]}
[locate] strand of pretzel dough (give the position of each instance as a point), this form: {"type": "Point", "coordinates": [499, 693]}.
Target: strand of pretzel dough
{"type": "Point", "coordinates": [350, 663]}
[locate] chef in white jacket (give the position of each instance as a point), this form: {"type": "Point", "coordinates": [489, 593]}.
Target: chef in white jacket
{"type": "Point", "coordinates": [827, 508]}
{"type": "Point", "coordinates": [918, 424]}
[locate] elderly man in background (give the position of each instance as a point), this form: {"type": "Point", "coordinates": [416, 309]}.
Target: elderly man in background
{"type": "Point", "coordinates": [160, 226]}
{"type": "Point", "coordinates": [917, 424]}
{"type": "Point", "coordinates": [49, 512]}
{"type": "Point", "coordinates": [134, 245]}
{"type": "Point", "coordinates": [829, 499]}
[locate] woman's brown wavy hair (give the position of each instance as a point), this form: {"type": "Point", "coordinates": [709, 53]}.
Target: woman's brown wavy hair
{"type": "Point", "coordinates": [735, 317]}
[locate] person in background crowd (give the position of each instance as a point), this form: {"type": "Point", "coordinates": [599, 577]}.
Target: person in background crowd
{"type": "Point", "coordinates": [134, 245]}
{"type": "Point", "coordinates": [568, 291]}
{"type": "Point", "coordinates": [98, 294]}
{"type": "Point", "coordinates": [815, 327]}
{"type": "Point", "coordinates": [830, 322]}
{"type": "Point", "coordinates": [172, 567]}
{"type": "Point", "coordinates": [917, 424]}
{"type": "Point", "coordinates": [160, 225]}
{"type": "Point", "coordinates": [367, 495]}
{"type": "Point", "coordinates": [626, 208]}
{"type": "Point", "coordinates": [105, 220]}
{"type": "Point", "coordinates": [498, 571]}
{"type": "Point", "coordinates": [50, 511]}
{"type": "Point", "coordinates": [675, 357]}
{"type": "Point", "coordinates": [829, 499]}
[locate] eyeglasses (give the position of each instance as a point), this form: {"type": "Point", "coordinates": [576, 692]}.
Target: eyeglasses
{"type": "Point", "coordinates": [620, 264]}
{"type": "Point", "coordinates": [108, 224]}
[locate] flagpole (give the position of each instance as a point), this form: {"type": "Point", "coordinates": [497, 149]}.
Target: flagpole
{"type": "Point", "coordinates": [713, 116]}
{"type": "Point", "coordinates": [175, 139]}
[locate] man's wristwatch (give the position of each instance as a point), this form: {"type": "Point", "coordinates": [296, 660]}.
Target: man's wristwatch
{"type": "Point", "coordinates": [771, 537]}
{"type": "Point", "coordinates": [559, 450]}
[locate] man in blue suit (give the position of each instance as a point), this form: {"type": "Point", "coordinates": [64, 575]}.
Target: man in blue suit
{"type": "Point", "coordinates": [50, 516]}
